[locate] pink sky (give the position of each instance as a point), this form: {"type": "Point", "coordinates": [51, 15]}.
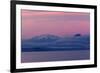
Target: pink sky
{"type": "Point", "coordinates": [57, 23]}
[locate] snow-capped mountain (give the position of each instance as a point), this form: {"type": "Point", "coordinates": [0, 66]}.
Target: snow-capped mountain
{"type": "Point", "coordinates": [45, 38]}
{"type": "Point", "coordinates": [49, 42]}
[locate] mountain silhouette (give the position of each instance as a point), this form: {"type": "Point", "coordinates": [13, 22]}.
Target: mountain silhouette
{"type": "Point", "coordinates": [45, 38]}
{"type": "Point", "coordinates": [48, 42]}
{"type": "Point", "coordinates": [77, 35]}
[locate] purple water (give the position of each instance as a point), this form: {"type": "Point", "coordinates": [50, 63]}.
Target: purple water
{"type": "Point", "coordinates": [55, 56]}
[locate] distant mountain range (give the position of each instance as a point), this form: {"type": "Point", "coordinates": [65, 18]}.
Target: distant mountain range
{"type": "Point", "coordinates": [45, 38]}
{"type": "Point", "coordinates": [49, 42]}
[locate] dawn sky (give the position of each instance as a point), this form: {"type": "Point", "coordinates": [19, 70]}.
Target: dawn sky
{"type": "Point", "coordinates": [57, 23]}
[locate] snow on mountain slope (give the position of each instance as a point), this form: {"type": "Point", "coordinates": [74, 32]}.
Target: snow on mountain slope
{"type": "Point", "coordinates": [52, 42]}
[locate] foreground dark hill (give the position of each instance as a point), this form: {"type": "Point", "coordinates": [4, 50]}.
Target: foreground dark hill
{"type": "Point", "coordinates": [56, 43]}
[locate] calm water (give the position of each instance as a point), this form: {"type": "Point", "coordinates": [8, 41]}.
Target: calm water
{"type": "Point", "coordinates": [55, 56]}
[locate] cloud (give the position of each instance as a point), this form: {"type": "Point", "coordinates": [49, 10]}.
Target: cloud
{"type": "Point", "coordinates": [28, 13]}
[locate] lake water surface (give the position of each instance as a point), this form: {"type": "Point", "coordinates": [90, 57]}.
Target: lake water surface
{"type": "Point", "coordinates": [55, 56]}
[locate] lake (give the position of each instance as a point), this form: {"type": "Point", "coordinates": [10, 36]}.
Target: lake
{"type": "Point", "coordinates": [46, 56]}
